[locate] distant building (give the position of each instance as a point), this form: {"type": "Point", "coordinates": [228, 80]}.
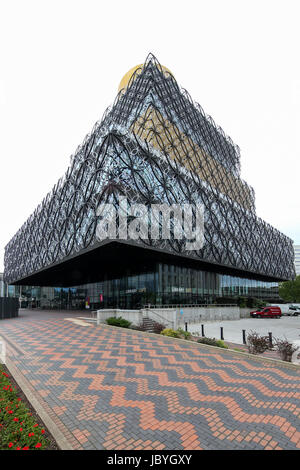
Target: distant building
{"type": "Point", "coordinates": [297, 259]}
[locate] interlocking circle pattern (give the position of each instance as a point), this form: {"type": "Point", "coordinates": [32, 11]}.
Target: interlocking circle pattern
{"type": "Point", "coordinates": [155, 145]}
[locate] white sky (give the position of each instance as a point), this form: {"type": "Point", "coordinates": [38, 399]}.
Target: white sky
{"type": "Point", "coordinates": [61, 62]}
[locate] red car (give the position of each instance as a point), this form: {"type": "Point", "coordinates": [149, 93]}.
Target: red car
{"type": "Point", "coordinates": [267, 312]}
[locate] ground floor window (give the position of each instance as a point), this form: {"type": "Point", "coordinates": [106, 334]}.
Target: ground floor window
{"type": "Point", "coordinates": [156, 284]}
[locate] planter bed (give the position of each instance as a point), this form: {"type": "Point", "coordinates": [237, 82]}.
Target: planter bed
{"type": "Point", "coordinates": [20, 426]}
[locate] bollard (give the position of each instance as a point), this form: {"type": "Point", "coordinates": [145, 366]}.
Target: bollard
{"type": "Point", "coordinates": [222, 336]}
{"type": "Point", "coordinates": [270, 340]}
{"type": "Point", "coordinates": [185, 326]}
{"type": "Point", "coordinates": [244, 337]}
{"type": "Point", "coordinates": [202, 330]}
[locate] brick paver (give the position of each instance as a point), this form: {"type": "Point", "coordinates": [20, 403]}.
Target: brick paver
{"type": "Point", "coordinates": [112, 388]}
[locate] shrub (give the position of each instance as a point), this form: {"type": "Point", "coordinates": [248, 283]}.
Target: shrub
{"type": "Point", "coordinates": [221, 344]}
{"type": "Point", "coordinates": [119, 321]}
{"type": "Point", "coordinates": [184, 334]}
{"type": "Point", "coordinates": [213, 342]}
{"type": "Point", "coordinates": [226, 300]}
{"type": "Point", "coordinates": [242, 302]}
{"type": "Point", "coordinates": [253, 302]}
{"type": "Point", "coordinates": [285, 349]}
{"type": "Point", "coordinates": [170, 332]}
{"type": "Point", "coordinates": [158, 327]}
{"type": "Point", "coordinates": [140, 327]}
{"type": "Point", "coordinates": [18, 428]}
{"type": "Point", "coordinates": [256, 343]}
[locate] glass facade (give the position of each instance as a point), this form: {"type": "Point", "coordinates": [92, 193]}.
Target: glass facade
{"type": "Point", "coordinates": [159, 284]}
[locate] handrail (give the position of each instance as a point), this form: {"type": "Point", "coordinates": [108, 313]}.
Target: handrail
{"type": "Point", "coordinates": [189, 305]}
{"type": "Point", "coordinates": [160, 316]}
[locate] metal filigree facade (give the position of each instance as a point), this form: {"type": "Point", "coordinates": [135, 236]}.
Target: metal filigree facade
{"type": "Point", "coordinates": [154, 145]}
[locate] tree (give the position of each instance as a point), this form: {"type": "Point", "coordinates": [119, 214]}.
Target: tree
{"type": "Point", "coordinates": [290, 290]}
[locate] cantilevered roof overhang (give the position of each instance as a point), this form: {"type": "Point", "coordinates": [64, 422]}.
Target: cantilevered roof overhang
{"type": "Point", "coordinates": [113, 259]}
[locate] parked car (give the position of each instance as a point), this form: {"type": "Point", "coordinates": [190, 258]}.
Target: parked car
{"type": "Point", "coordinates": [290, 310]}
{"type": "Point", "coordinates": [294, 310]}
{"type": "Point", "coordinates": [266, 312]}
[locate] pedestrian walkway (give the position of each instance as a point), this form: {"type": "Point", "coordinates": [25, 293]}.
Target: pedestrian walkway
{"type": "Point", "coordinates": [113, 388]}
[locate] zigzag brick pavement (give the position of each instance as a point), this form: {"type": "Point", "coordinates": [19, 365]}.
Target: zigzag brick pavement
{"type": "Point", "coordinates": [110, 388]}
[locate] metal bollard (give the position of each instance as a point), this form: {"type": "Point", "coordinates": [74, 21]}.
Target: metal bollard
{"type": "Point", "coordinates": [270, 340]}
{"type": "Point", "coordinates": [202, 330]}
{"type": "Point", "coordinates": [244, 337]}
{"type": "Point", "coordinates": [222, 336]}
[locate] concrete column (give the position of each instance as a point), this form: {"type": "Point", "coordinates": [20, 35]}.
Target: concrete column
{"type": "Point", "coordinates": [175, 320]}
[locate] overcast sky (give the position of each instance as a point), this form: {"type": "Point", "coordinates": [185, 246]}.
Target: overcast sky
{"type": "Point", "coordinates": [61, 63]}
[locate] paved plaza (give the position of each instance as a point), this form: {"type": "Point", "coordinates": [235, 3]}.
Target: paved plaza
{"type": "Point", "coordinates": [112, 388]}
{"type": "Point", "coordinates": [284, 327]}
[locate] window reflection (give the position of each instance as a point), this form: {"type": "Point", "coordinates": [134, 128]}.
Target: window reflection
{"type": "Point", "coordinates": [158, 284]}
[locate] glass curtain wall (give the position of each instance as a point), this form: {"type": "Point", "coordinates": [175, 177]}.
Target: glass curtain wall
{"type": "Point", "coordinates": [160, 284]}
